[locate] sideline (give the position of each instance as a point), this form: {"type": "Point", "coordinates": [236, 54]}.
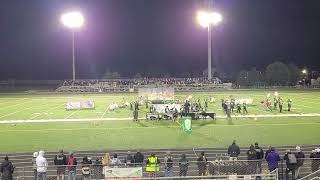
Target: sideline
{"type": "Point", "coordinates": [130, 118]}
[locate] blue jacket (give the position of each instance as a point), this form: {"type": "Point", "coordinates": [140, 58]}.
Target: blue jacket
{"type": "Point", "coordinates": [272, 159]}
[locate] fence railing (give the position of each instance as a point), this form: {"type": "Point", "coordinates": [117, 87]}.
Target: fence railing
{"type": "Point", "coordinates": [187, 170]}
{"type": "Point", "coordinates": [211, 169]}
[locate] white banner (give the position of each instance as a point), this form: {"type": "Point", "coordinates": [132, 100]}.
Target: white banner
{"type": "Point", "coordinates": [122, 173]}
{"type": "Point", "coordinates": [71, 105]}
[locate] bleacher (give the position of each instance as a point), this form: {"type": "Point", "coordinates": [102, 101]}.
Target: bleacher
{"type": "Point", "coordinates": [133, 85]}
{"type": "Point", "coordinates": [22, 161]}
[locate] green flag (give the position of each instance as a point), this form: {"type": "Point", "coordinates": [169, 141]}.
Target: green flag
{"type": "Point", "coordinates": [186, 122]}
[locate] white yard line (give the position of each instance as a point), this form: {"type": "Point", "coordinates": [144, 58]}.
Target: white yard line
{"type": "Point", "coordinates": [72, 113]}
{"type": "Point", "coordinates": [104, 112]}
{"type": "Point", "coordinates": [15, 112]}
{"type": "Point", "coordinates": [154, 127]}
{"type": "Point", "coordinates": [9, 114]}
{"type": "Point", "coordinates": [8, 101]}
{"type": "Point", "coordinates": [53, 108]}
{"type": "Point", "coordinates": [130, 118]}
{"type": "Point", "coordinates": [16, 104]}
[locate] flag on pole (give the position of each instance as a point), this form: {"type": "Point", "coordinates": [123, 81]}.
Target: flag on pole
{"type": "Point", "coordinates": [186, 122]}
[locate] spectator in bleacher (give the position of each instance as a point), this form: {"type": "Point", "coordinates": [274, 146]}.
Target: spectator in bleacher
{"type": "Point", "coordinates": [115, 161]}
{"type": "Point", "coordinates": [152, 165]}
{"type": "Point", "coordinates": [233, 151]}
{"type": "Point", "coordinates": [42, 165]}
{"type": "Point", "coordinates": [300, 160]}
{"type": "Point", "coordinates": [129, 159]}
{"type": "Point", "coordinates": [34, 164]}
{"type": "Point", "coordinates": [97, 169]}
{"type": "Point", "coordinates": [202, 164]}
{"type": "Point", "coordinates": [183, 165]}
{"type": "Point", "coordinates": [168, 165]}
{"type": "Point", "coordinates": [291, 164]}
{"type": "Point", "coordinates": [315, 155]}
{"type": "Point", "coordinates": [85, 169]}
{"type": "Point", "coordinates": [273, 158]}
{"type": "Point", "coordinates": [138, 158]}
{"type": "Point", "coordinates": [6, 169]}
{"type": "Point", "coordinates": [72, 165]}
{"type": "Point", "coordinates": [252, 157]}
{"type": "Point", "coordinates": [60, 160]}
{"type": "Point", "coordinates": [260, 155]}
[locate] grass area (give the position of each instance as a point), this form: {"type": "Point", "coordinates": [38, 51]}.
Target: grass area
{"type": "Point", "coordinates": [162, 134]}
{"type": "Point", "coordinates": [146, 134]}
{"type": "Point", "coordinates": [52, 106]}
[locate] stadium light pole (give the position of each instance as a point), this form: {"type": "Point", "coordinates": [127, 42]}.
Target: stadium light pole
{"type": "Point", "coordinates": [304, 72]}
{"type": "Point", "coordinates": [206, 19]}
{"type": "Point", "coordinates": [73, 20]}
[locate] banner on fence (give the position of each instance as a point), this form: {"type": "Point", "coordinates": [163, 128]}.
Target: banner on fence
{"type": "Point", "coordinates": [125, 173]}
{"type": "Point", "coordinates": [72, 105]}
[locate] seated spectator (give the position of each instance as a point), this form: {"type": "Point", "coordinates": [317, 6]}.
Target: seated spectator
{"type": "Point", "coordinates": [6, 169]}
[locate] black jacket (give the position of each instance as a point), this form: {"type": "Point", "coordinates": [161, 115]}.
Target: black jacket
{"type": "Point", "coordinates": [60, 160]}
{"type": "Point", "coordinates": [300, 158]}
{"type": "Point", "coordinates": [202, 163]}
{"type": "Point", "coordinates": [138, 158]}
{"type": "Point", "coordinates": [260, 152]}
{"type": "Point", "coordinates": [233, 150]}
{"type": "Point", "coordinates": [252, 155]}
{"type": "Point", "coordinates": [7, 170]}
{"type": "Point", "coordinates": [315, 162]}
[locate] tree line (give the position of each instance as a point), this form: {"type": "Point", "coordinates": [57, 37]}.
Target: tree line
{"type": "Point", "coordinates": [275, 74]}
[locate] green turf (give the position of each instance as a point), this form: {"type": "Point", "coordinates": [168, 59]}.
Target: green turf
{"type": "Point", "coordinates": [125, 134]}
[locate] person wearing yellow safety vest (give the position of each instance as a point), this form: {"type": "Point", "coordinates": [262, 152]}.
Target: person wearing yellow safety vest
{"type": "Point", "coordinates": [152, 165]}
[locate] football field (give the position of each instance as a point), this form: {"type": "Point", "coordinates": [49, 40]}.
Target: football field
{"type": "Point", "coordinates": [117, 131]}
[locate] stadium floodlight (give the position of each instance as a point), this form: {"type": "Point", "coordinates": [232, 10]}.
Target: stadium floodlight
{"type": "Point", "coordinates": [72, 20]}
{"type": "Point", "coordinates": [304, 71]}
{"type": "Point", "coordinates": [206, 19]}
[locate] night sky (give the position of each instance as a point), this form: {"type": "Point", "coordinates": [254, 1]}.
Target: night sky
{"type": "Point", "coordinates": [130, 36]}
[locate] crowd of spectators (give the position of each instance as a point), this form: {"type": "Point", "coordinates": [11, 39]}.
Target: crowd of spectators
{"type": "Point", "coordinates": [293, 160]}
{"type": "Point", "coordinates": [143, 81]}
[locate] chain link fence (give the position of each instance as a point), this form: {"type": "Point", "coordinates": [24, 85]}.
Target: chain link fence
{"type": "Point", "coordinates": [174, 170]}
